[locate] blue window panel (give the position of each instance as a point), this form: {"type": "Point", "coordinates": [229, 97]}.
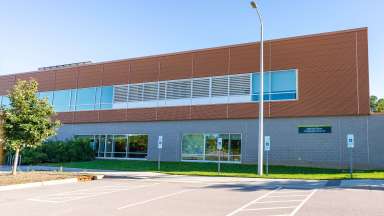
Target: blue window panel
{"type": "Point", "coordinates": [105, 106]}
{"type": "Point", "coordinates": [256, 82]}
{"type": "Point", "coordinates": [48, 95]}
{"type": "Point", "coordinates": [86, 96]}
{"type": "Point", "coordinates": [106, 94]}
{"type": "Point", "coordinates": [284, 96]}
{"type": "Point", "coordinates": [85, 107]}
{"type": "Point", "coordinates": [73, 99]}
{"type": "Point", "coordinates": [255, 97]}
{"type": "Point", "coordinates": [5, 101]}
{"type": "Point", "coordinates": [283, 81]}
{"type": "Point", "coordinates": [62, 100]}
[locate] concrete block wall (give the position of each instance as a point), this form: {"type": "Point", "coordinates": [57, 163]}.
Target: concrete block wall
{"type": "Point", "coordinates": [288, 147]}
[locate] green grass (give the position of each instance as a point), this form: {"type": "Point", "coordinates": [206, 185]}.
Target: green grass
{"type": "Point", "coordinates": [233, 170]}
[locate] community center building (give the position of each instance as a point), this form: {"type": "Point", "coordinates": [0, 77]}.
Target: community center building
{"type": "Point", "coordinates": [316, 93]}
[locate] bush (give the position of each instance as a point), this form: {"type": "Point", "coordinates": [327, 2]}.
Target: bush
{"type": "Point", "coordinates": [59, 151]}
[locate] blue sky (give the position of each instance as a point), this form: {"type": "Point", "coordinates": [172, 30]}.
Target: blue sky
{"type": "Point", "coordinates": [50, 32]}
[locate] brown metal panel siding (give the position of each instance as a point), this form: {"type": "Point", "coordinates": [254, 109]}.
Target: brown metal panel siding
{"type": "Point", "coordinates": [115, 73]}
{"type": "Point", "coordinates": [66, 78]}
{"type": "Point", "coordinates": [112, 115]}
{"type": "Point", "coordinates": [173, 113]}
{"type": "Point", "coordinates": [6, 83]}
{"type": "Point", "coordinates": [326, 75]}
{"type": "Point", "coordinates": [176, 67]}
{"type": "Point", "coordinates": [209, 112]}
{"type": "Point", "coordinates": [147, 114]}
{"type": "Point", "coordinates": [46, 80]}
{"type": "Point", "coordinates": [363, 70]}
{"type": "Point", "coordinates": [144, 70]}
{"type": "Point", "coordinates": [211, 63]}
{"type": "Point", "coordinates": [86, 116]}
{"type": "Point", "coordinates": [89, 76]}
{"type": "Point", "coordinates": [246, 110]}
{"type": "Point", "coordinates": [66, 117]}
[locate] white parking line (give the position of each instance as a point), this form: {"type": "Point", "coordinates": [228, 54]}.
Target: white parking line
{"type": "Point", "coordinates": [154, 199]}
{"type": "Point", "coordinates": [294, 195]}
{"type": "Point", "coordinates": [280, 201]}
{"type": "Point", "coordinates": [260, 209]}
{"type": "Point", "coordinates": [302, 203]}
{"type": "Point", "coordinates": [252, 202]}
{"type": "Point", "coordinates": [83, 194]}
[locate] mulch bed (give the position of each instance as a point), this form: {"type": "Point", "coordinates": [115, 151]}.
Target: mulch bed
{"type": "Point", "coordinates": [28, 177]}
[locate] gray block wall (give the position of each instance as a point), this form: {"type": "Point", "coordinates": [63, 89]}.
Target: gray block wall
{"type": "Point", "coordinates": [288, 147]}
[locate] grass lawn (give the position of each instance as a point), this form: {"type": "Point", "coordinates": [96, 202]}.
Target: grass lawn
{"type": "Point", "coordinates": [233, 170]}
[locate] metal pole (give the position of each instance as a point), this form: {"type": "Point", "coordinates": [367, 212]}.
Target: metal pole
{"type": "Point", "coordinates": [267, 163]}
{"type": "Point", "coordinates": [350, 162]}
{"type": "Point", "coordinates": [159, 157]}
{"type": "Point", "coordinates": [218, 162]}
{"type": "Point", "coordinates": [261, 94]}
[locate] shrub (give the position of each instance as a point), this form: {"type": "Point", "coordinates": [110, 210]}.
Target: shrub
{"type": "Point", "coordinates": [59, 151]}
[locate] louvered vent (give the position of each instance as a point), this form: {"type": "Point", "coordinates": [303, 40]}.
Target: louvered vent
{"type": "Point", "coordinates": [150, 91]}
{"type": "Point", "coordinates": [121, 93]}
{"type": "Point", "coordinates": [220, 86]}
{"type": "Point", "coordinates": [162, 90]}
{"type": "Point", "coordinates": [135, 92]}
{"type": "Point", "coordinates": [239, 84]}
{"type": "Point", "coordinates": [179, 89]}
{"type": "Point", "coordinates": [200, 87]}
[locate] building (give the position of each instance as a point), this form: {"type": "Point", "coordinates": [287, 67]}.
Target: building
{"type": "Point", "coordinates": [317, 92]}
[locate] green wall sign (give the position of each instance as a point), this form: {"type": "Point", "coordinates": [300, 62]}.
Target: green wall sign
{"type": "Point", "coordinates": [305, 129]}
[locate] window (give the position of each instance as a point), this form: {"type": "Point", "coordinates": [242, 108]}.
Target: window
{"type": "Point", "coordinates": [5, 101]}
{"type": "Point", "coordinates": [278, 85]}
{"type": "Point", "coordinates": [46, 95]}
{"type": "Point", "coordinates": [203, 147]}
{"type": "Point", "coordinates": [135, 93]}
{"type": "Point", "coordinates": [120, 146]}
{"type": "Point", "coordinates": [86, 99]}
{"type": "Point", "coordinates": [150, 91]}
{"type": "Point", "coordinates": [121, 94]}
{"type": "Point", "coordinates": [62, 100]}
{"type": "Point", "coordinates": [106, 97]}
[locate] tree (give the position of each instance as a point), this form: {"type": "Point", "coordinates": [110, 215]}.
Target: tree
{"type": "Point", "coordinates": [380, 105]}
{"type": "Point", "coordinates": [373, 103]}
{"type": "Point", "coordinates": [27, 122]}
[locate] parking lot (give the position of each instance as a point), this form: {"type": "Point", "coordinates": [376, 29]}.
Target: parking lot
{"type": "Point", "coordinates": [179, 195]}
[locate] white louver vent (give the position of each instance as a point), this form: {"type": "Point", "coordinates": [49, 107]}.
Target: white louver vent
{"type": "Point", "coordinates": [239, 84]}
{"type": "Point", "coordinates": [200, 87]}
{"type": "Point", "coordinates": [179, 89]}
{"type": "Point", "coordinates": [121, 94]}
{"type": "Point", "coordinates": [220, 86]}
{"type": "Point", "coordinates": [135, 93]}
{"type": "Point", "coordinates": [162, 90]}
{"type": "Point", "coordinates": [150, 91]}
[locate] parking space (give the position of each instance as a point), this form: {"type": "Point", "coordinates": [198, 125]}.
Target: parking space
{"type": "Point", "coordinates": [176, 195]}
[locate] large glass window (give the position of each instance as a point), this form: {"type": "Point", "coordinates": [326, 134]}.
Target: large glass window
{"type": "Point", "coordinates": [137, 146]}
{"type": "Point", "coordinates": [121, 146]}
{"type": "Point", "coordinates": [278, 85]}
{"type": "Point", "coordinates": [204, 147]}
{"type": "Point", "coordinates": [5, 101]}
{"type": "Point", "coordinates": [47, 95]}
{"type": "Point", "coordinates": [193, 147]}
{"type": "Point", "coordinates": [62, 100]}
{"type": "Point", "coordinates": [106, 97]}
{"type": "Point", "coordinates": [86, 99]}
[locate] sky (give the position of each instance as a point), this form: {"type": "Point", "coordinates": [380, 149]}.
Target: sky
{"type": "Point", "coordinates": [52, 32]}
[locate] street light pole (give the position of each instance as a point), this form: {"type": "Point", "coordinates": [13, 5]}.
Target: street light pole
{"type": "Point", "coordinates": [261, 95]}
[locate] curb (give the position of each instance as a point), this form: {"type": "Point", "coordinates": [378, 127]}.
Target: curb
{"type": "Point", "coordinates": [38, 184]}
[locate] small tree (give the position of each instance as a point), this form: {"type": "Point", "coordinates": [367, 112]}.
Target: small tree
{"type": "Point", "coordinates": [28, 119]}
{"type": "Point", "coordinates": [380, 105]}
{"type": "Point", "coordinates": [373, 103]}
